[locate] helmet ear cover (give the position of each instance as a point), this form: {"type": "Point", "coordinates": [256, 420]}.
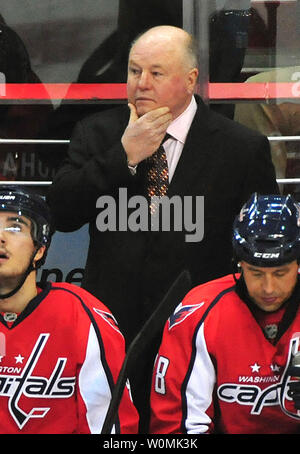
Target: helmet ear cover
{"type": "Point", "coordinates": [266, 233]}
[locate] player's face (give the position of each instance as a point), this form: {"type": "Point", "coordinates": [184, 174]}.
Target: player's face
{"type": "Point", "coordinates": [16, 245]}
{"type": "Point", "coordinates": [269, 288]}
{"type": "Point", "coordinates": [157, 77]}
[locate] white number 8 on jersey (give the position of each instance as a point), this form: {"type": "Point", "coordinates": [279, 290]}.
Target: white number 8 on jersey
{"type": "Point", "coordinates": [161, 370]}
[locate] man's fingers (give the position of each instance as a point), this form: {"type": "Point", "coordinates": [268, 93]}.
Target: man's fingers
{"type": "Point", "coordinates": [144, 134]}
{"type": "Point", "coordinates": [155, 117]}
{"type": "Point", "coordinates": [154, 114]}
{"type": "Point", "coordinates": [164, 121]}
{"type": "Point", "coordinates": [157, 120]}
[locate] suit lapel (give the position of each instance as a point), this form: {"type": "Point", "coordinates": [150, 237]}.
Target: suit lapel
{"type": "Point", "coordinates": [197, 154]}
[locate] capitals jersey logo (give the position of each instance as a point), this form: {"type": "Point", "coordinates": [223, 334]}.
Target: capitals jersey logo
{"type": "Point", "coordinates": [31, 386]}
{"type": "Point", "coordinates": [109, 318]}
{"type": "Point", "coordinates": [182, 312]}
{"type": "Point", "coordinates": [277, 393]}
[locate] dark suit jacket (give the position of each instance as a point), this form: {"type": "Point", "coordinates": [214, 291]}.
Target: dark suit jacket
{"type": "Point", "coordinates": [130, 271]}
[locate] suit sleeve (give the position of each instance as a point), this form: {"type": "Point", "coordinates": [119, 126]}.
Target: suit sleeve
{"type": "Point", "coordinates": [183, 382]}
{"type": "Point", "coordinates": [96, 165]}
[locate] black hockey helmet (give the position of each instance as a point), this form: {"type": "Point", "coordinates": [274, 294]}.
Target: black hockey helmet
{"type": "Point", "coordinates": [27, 203]}
{"type": "Point", "coordinates": [266, 233]}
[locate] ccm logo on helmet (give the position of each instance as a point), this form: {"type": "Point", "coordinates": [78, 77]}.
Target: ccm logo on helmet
{"type": "Point", "coordinates": [266, 255]}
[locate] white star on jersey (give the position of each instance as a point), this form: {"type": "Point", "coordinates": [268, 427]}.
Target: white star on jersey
{"type": "Point", "coordinates": [255, 367]}
{"type": "Point", "coordinates": [19, 359]}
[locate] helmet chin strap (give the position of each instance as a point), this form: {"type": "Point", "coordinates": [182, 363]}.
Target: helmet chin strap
{"type": "Point", "coordinates": [30, 268]}
{"type": "Point", "coordinates": [234, 265]}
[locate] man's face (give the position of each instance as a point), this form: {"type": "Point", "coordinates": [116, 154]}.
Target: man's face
{"type": "Point", "coordinates": [269, 288]}
{"type": "Point", "coordinates": [16, 245]}
{"type": "Point", "coordinates": [158, 77]}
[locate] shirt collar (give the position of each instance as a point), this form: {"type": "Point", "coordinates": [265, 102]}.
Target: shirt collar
{"type": "Point", "coordinates": [179, 127]}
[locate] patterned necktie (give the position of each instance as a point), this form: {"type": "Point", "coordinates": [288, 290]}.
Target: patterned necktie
{"type": "Point", "coordinates": [158, 175]}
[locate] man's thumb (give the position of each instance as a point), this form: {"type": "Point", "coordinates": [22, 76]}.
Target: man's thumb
{"type": "Point", "coordinates": [133, 114]}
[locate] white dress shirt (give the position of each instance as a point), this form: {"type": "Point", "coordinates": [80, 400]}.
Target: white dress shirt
{"type": "Point", "coordinates": [178, 129]}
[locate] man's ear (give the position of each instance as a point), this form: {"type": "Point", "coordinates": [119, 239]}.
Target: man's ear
{"type": "Point", "coordinates": [192, 80]}
{"type": "Point", "coordinates": [39, 254]}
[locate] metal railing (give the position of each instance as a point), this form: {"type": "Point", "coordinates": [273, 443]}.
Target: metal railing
{"type": "Point", "coordinates": [66, 141]}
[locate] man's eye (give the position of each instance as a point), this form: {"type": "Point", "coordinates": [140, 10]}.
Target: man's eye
{"type": "Point", "coordinates": [134, 71]}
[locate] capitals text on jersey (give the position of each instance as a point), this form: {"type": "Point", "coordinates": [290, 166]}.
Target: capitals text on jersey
{"type": "Point", "coordinates": [31, 386]}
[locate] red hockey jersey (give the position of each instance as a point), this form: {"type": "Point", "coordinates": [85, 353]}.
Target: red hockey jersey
{"type": "Point", "coordinates": [216, 372]}
{"type": "Point", "coordinates": [58, 364]}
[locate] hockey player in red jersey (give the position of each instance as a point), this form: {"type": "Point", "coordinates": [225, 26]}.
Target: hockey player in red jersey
{"type": "Point", "coordinates": [60, 348]}
{"type": "Point", "coordinates": [229, 356]}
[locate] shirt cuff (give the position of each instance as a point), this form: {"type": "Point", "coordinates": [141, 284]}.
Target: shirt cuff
{"type": "Point", "coordinates": [132, 169]}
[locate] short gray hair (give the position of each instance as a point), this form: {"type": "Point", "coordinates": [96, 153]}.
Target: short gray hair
{"type": "Point", "coordinates": [192, 51]}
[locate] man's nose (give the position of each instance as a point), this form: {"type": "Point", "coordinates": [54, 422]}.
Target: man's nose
{"type": "Point", "coordinates": [268, 285]}
{"type": "Point", "coordinates": [144, 80]}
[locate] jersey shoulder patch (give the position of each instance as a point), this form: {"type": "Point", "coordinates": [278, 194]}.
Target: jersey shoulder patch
{"type": "Point", "coordinates": [182, 312]}
{"type": "Point", "coordinates": [108, 318]}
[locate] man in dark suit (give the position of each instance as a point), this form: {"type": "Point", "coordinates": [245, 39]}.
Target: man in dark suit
{"type": "Point", "coordinates": [207, 155]}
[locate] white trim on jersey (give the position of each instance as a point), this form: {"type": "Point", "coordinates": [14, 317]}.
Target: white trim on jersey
{"type": "Point", "coordinates": [199, 388]}
{"type": "Point", "coordinates": [94, 386]}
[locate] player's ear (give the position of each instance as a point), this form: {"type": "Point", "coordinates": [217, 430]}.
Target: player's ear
{"type": "Point", "coordinates": [39, 254]}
